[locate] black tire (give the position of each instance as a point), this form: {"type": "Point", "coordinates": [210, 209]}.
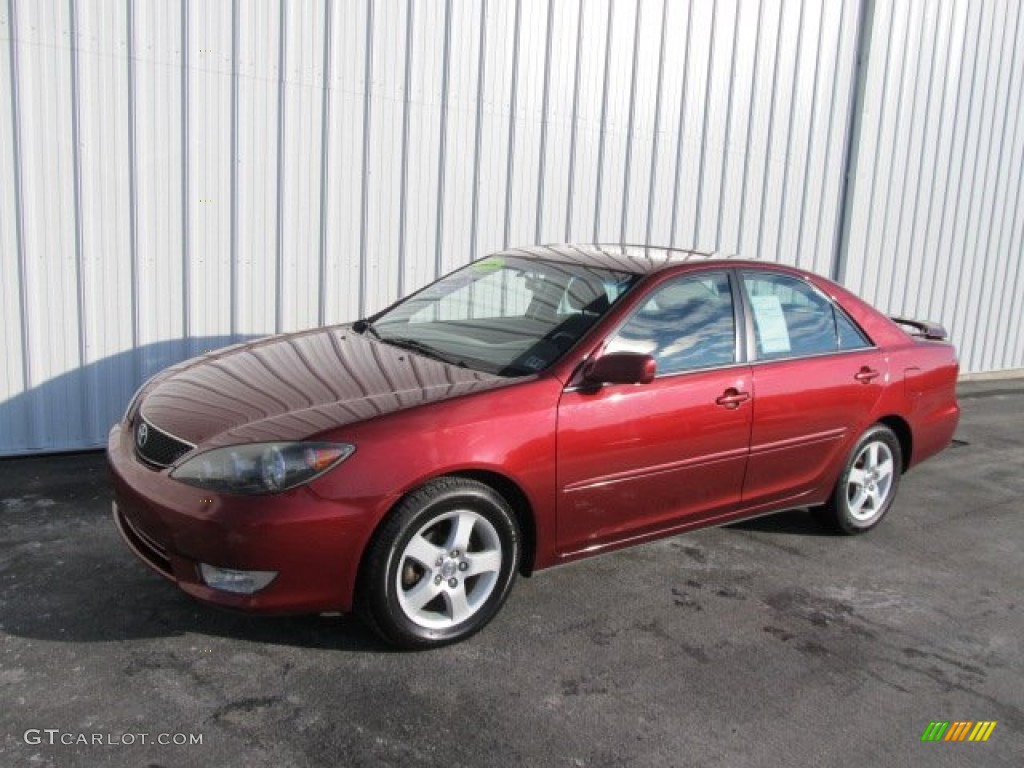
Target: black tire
{"type": "Point", "coordinates": [867, 486]}
{"type": "Point", "coordinates": [470, 537]}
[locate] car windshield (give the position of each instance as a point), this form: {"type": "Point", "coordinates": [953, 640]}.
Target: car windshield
{"type": "Point", "coordinates": [505, 315]}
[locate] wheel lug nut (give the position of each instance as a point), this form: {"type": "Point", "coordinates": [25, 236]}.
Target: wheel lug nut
{"type": "Point", "coordinates": [440, 562]}
{"type": "Point", "coordinates": [453, 583]}
{"type": "Point", "coordinates": [455, 553]}
{"type": "Point", "coordinates": [437, 579]}
{"type": "Point", "coordinates": [463, 565]}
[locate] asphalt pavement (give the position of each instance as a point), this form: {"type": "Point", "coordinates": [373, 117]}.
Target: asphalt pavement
{"type": "Point", "coordinates": [767, 643]}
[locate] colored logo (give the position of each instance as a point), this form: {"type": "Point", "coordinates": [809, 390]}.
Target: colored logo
{"type": "Point", "coordinates": [958, 730]}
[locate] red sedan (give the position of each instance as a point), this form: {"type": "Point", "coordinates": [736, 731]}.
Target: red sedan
{"type": "Point", "coordinates": [534, 407]}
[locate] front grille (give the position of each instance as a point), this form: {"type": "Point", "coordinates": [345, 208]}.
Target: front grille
{"type": "Point", "coordinates": [145, 546]}
{"type": "Point", "coordinates": [156, 447]}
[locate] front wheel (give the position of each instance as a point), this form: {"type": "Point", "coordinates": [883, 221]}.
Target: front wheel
{"type": "Point", "coordinates": [441, 564]}
{"type": "Point", "coordinates": [867, 487]}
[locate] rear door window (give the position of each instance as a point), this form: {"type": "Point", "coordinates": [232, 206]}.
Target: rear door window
{"type": "Point", "coordinates": [792, 319]}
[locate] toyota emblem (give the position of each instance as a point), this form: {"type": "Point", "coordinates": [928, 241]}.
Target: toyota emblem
{"type": "Point", "coordinates": [142, 435]}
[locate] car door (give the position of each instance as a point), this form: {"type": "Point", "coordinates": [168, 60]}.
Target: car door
{"type": "Point", "coordinates": [816, 377]}
{"type": "Point", "coordinates": [633, 458]}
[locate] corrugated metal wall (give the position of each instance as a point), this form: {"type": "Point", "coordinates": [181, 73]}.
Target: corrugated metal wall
{"type": "Point", "coordinates": [174, 176]}
{"type": "Point", "coordinates": [935, 212]}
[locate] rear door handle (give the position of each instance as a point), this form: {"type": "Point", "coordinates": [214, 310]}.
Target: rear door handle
{"type": "Point", "coordinates": [732, 398]}
{"type": "Point", "coordinates": [866, 375]}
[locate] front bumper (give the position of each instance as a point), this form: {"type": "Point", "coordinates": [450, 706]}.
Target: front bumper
{"type": "Point", "coordinates": [314, 544]}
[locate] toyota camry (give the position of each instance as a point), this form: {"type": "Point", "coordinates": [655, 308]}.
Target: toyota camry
{"type": "Point", "coordinates": [531, 408]}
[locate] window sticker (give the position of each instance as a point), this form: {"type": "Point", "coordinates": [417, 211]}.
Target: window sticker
{"type": "Point", "coordinates": [490, 264]}
{"type": "Point", "coordinates": [771, 324]}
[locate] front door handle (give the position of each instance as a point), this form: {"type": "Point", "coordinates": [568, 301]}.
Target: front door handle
{"type": "Point", "coordinates": [866, 375]}
{"type": "Point", "coordinates": [732, 398]}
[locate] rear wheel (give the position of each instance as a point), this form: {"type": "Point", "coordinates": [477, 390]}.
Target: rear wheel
{"type": "Point", "coordinates": [867, 487]}
{"type": "Point", "coordinates": [440, 566]}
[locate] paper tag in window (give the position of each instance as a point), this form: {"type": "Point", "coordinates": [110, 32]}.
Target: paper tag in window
{"type": "Point", "coordinates": [490, 264]}
{"type": "Point", "coordinates": [771, 324]}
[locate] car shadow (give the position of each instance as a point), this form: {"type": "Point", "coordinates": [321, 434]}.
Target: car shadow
{"type": "Point", "coordinates": [793, 522]}
{"type": "Point", "coordinates": [70, 579]}
{"type": "Point", "coordinates": [73, 410]}
{"type": "Point", "coordinates": [66, 576]}
{"type": "Point", "coordinates": [115, 599]}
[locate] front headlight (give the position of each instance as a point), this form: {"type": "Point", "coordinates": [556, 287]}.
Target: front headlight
{"type": "Point", "coordinates": [261, 467]}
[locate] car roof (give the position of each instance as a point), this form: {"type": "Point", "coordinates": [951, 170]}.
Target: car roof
{"type": "Point", "coordinates": [636, 259]}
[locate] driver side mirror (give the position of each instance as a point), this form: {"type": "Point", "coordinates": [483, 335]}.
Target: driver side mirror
{"type": "Point", "coordinates": [621, 368]}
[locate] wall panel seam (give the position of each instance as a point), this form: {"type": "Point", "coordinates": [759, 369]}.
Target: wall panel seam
{"type": "Point", "coordinates": [598, 185]}
{"type": "Point", "coordinates": [365, 172]}
{"type": "Point", "coordinates": [750, 126]}
{"type": "Point", "coordinates": [510, 157]}
{"type": "Point", "coordinates": [133, 228]}
{"type": "Point", "coordinates": [705, 122]}
{"type": "Point", "coordinates": [443, 140]}
{"type": "Point", "coordinates": [19, 211]}
{"type": "Point", "coordinates": [681, 133]}
{"type": "Point", "coordinates": [541, 163]}
{"type": "Point", "coordinates": [233, 287]}
{"type": "Point", "coordinates": [652, 178]}
{"type": "Point", "coordinates": [631, 124]}
{"type": "Point", "coordinates": [788, 156]}
{"type": "Point", "coordinates": [727, 140]}
{"type": "Point", "coordinates": [571, 183]}
{"type": "Point", "coordinates": [325, 158]}
{"type": "Point", "coordinates": [474, 221]}
{"type": "Point", "coordinates": [771, 134]}
{"type": "Point", "coordinates": [85, 394]}
{"type": "Point", "coordinates": [809, 153]}
{"type": "Point", "coordinates": [282, 52]}
{"type": "Point", "coordinates": [186, 181]}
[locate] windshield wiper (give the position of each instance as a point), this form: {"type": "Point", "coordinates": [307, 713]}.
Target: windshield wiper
{"type": "Point", "coordinates": [424, 349]}
{"type": "Point", "coordinates": [365, 326]}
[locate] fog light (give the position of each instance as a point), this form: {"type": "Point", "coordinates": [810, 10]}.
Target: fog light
{"type": "Point", "coordinates": [240, 582]}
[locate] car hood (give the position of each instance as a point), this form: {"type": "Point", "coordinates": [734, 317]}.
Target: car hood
{"type": "Point", "coordinates": [295, 386]}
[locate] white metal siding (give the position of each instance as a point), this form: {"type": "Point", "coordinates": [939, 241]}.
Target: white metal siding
{"type": "Point", "coordinates": [175, 176]}
{"type": "Point", "coordinates": [935, 215]}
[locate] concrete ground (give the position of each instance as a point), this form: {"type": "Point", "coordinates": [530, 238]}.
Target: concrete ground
{"type": "Point", "coordinates": [764, 643]}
